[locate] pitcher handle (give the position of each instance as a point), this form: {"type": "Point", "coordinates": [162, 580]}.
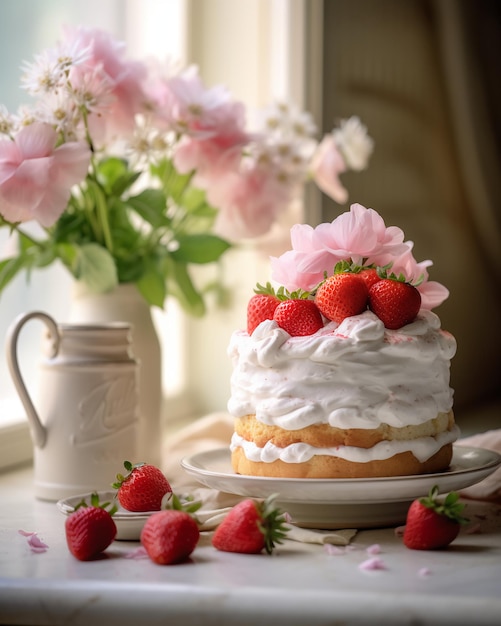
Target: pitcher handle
{"type": "Point", "coordinates": [38, 430]}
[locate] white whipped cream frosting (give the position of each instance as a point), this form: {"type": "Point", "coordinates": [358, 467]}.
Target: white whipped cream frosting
{"type": "Point", "coordinates": [356, 374]}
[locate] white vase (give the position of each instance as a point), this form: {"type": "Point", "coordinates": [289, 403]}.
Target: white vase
{"type": "Point", "coordinates": [126, 304]}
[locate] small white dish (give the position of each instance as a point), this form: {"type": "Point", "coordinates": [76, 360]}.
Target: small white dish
{"type": "Point", "coordinates": [129, 524]}
{"type": "Point", "coordinates": [342, 503]}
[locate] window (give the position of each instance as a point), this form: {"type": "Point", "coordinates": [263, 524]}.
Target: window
{"type": "Point", "coordinates": [150, 27]}
{"type": "Point", "coordinates": [255, 48]}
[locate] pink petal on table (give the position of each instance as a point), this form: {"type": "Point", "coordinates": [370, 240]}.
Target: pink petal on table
{"type": "Point", "coordinates": [399, 531]}
{"type": "Point", "coordinates": [423, 572]}
{"type": "Point", "coordinates": [372, 564]}
{"type": "Point", "coordinates": [137, 553]}
{"type": "Point", "coordinates": [375, 548]}
{"type": "Point", "coordinates": [34, 541]}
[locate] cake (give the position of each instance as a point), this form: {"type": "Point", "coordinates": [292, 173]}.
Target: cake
{"type": "Point", "coordinates": [352, 395]}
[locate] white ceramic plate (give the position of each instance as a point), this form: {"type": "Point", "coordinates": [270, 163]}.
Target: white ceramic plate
{"type": "Point", "coordinates": [129, 524]}
{"type": "Point", "coordinates": [336, 503]}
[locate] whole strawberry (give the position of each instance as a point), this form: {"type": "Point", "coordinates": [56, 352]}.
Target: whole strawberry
{"type": "Point", "coordinates": [143, 488]}
{"type": "Point", "coordinates": [342, 295]}
{"type": "Point", "coordinates": [261, 306]}
{"type": "Point", "coordinates": [90, 529]}
{"type": "Point", "coordinates": [250, 527]}
{"type": "Point", "coordinates": [395, 302]}
{"type": "Point", "coordinates": [432, 524]}
{"type": "Point", "coordinates": [170, 536]}
{"type": "Point", "coordinates": [298, 317]}
{"type": "Point", "coordinates": [370, 276]}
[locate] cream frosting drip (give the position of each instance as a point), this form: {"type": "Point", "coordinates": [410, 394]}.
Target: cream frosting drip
{"type": "Point", "coordinates": [422, 448]}
{"type": "Point", "coordinates": [357, 374]}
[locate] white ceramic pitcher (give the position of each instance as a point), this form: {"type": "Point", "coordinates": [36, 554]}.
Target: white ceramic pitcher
{"type": "Point", "coordinates": [85, 416]}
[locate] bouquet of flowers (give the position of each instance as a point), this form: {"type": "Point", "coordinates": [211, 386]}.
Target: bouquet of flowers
{"type": "Point", "coordinates": [133, 171]}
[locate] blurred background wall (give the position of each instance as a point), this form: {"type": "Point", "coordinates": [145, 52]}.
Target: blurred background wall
{"type": "Point", "coordinates": [424, 76]}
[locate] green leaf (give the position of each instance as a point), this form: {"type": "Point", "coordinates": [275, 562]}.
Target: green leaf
{"type": "Point", "coordinates": [113, 174]}
{"type": "Point", "coordinates": [151, 206]}
{"type": "Point", "coordinates": [9, 268]}
{"type": "Point", "coordinates": [200, 248]}
{"type": "Point", "coordinates": [181, 287]}
{"type": "Point", "coordinates": [174, 184]}
{"type": "Point", "coordinates": [95, 266]}
{"type": "Point", "coordinates": [152, 287]}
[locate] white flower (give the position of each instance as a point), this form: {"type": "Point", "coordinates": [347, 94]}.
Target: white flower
{"type": "Point", "coordinates": [50, 69]}
{"type": "Point", "coordinates": [354, 143]}
{"type": "Point", "coordinates": [7, 122]}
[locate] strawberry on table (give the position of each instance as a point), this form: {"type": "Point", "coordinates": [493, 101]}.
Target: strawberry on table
{"type": "Point", "coordinates": [298, 317]}
{"type": "Point", "coordinates": [90, 529]}
{"type": "Point", "coordinates": [394, 301]}
{"type": "Point", "coordinates": [261, 306]}
{"type": "Point", "coordinates": [170, 536]}
{"type": "Point", "coordinates": [251, 526]}
{"type": "Point", "coordinates": [433, 524]}
{"type": "Point", "coordinates": [143, 488]}
{"type": "Point", "coordinates": [342, 295]}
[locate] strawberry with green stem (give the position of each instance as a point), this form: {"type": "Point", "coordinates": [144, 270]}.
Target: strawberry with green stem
{"type": "Point", "coordinates": [261, 306]}
{"type": "Point", "coordinates": [432, 523]}
{"type": "Point", "coordinates": [343, 294]}
{"type": "Point", "coordinates": [298, 315]}
{"type": "Point", "coordinates": [170, 536]}
{"type": "Point", "coordinates": [395, 301]}
{"type": "Point", "coordinates": [250, 527]}
{"type": "Point", "coordinates": [142, 488]}
{"type": "Point", "coordinates": [90, 529]}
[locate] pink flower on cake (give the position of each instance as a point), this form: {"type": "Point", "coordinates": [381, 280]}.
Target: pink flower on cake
{"type": "Point", "coordinates": [432, 293]}
{"type": "Point", "coordinates": [360, 237]}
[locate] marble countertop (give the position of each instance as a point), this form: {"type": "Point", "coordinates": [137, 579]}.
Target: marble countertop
{"type": "Point", "coordinates": [300, 584]}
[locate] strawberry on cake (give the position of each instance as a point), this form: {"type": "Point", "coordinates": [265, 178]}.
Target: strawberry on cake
{"type": "Point", "coordinates": [343, 371]}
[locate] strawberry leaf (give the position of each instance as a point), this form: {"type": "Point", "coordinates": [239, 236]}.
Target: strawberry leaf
{"type": "Point", "coordinates": [450, 507]}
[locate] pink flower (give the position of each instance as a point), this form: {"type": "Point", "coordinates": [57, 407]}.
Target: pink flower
{"type": "Point", "coordinates": [210, 122]}
{"type": "Point", "coordinates": [123, 78]}
{"type": "Point", "coordinates": [36, 177]}
{"type": "Point", "coordinates": [432, 293]}
{"type": "Point", "coordinates": [326, 165]}
{"type": "Point", "coordinates": [359, 236]}
{"type": "Point", "coordinates": [248, 201]}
